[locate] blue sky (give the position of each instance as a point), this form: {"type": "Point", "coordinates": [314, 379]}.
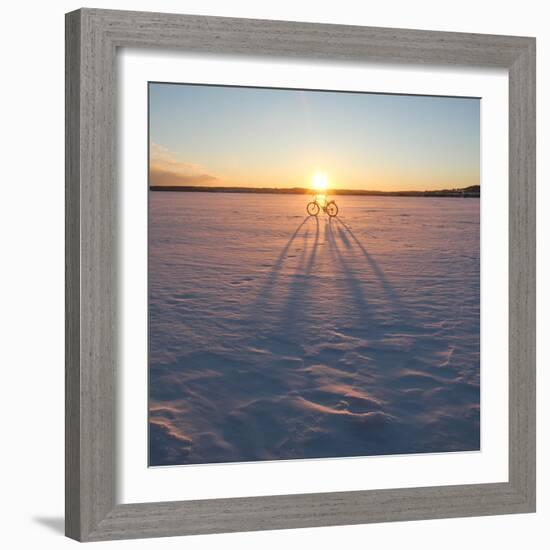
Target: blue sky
{"type": "Point", "coordinates": [262, 137]}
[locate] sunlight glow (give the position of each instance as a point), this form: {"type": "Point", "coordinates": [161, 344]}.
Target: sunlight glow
{"type": "Point", "coordinates": [319, 181]}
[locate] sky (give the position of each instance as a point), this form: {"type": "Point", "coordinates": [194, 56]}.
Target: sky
{"type": "Point", "coordinates": [264, 137]}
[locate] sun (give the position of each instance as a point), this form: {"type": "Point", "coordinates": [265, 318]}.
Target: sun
{"type": "Point", "coordinates": [319, 181]}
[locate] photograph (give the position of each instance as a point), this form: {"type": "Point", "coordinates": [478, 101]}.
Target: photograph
{"type": "Point", "coordinates": [313, 274]}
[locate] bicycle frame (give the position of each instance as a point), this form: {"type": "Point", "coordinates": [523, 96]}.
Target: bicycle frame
{"type": "Point", "coordinates": [321, 202]}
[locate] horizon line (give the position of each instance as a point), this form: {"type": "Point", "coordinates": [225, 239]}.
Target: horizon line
{"type": "Point", "coordinates": [471, 190]}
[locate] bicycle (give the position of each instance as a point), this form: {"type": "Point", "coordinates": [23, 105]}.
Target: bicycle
{"type": "Point", "coordinates": [317, 204]}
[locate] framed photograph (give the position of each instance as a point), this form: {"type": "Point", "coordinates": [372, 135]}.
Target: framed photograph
{"type": "Point", "coordinates": [300, 275]}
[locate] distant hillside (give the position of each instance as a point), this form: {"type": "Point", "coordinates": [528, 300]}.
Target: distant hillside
{"type": "Point", "coordinates": [471, 191]}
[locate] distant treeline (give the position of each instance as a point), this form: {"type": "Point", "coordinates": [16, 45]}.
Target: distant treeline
{"type": "Point", "coordinates": [471, 191]}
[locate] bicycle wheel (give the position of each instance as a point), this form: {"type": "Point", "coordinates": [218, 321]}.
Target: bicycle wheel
{"type": "Point", "coordinates": [312, 209]}
{"type": "Point", "coordinates": [332, 209]}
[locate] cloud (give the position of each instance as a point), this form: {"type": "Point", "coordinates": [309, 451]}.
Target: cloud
{"type": "Point", "coordinates": [166, 169]}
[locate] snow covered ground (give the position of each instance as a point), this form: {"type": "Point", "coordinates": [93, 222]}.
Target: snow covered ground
{"type": "Point", "coordinates": [278, 336]}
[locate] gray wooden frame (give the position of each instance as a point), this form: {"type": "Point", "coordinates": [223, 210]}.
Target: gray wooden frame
{"type": "Point", "coordinates": [92, 39]}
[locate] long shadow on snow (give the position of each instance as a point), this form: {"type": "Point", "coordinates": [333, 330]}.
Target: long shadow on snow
{"type": "Point", "coordinates": [356, 288]}
{"type": "Point", "coordinates": [268, 287]}
{"type": "Point", "coordinates": [264, 302]}
{"type": "Point", "coordinates": [300, 286]}
{"type": "Point", "coordinates": [387, 288]}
